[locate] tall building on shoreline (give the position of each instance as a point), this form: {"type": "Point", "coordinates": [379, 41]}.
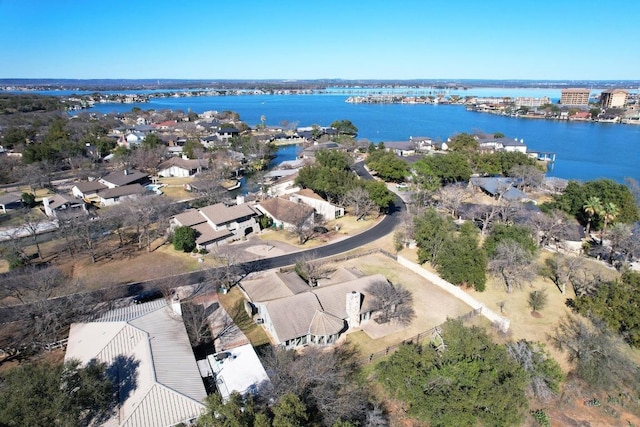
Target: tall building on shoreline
{"type": "Point", "coordinates": [575, 96]}
{"type": "Point", "coordinates": [613, 98]}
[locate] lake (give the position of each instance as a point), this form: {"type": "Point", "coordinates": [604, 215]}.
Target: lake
{"type": "Point", "coordinates": [584, 151]}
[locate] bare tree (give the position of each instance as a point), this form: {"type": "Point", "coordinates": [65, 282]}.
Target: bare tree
{"type": "Point", "coordinates": [312, 270]}
{"type": "Point", "coordinates": [542, 383]}
{"type": "Point", "coordinates": [324, 379]}
{"type": "Point", "coordinates": [547, 228]}
{"type": "Point", "coordinates": [358, 199]}
{"type": "Point", "coordinates": [146, 213]}
{"type": "Point", "coordinates": [597, 354]}
{"type": "Point", "coordinates": [196, 320]}
{"type": "Point", "coordinates": [228, 273]}
{"type": "Point", "coordinates": [392, 302]}
{"type": "Point", "coordinates": [513, 264]}
{"type": "Point", "coordinates": [301, 218]}
{"type": "Point", "coordinates": [563, 270]}
{"type": "Point", "coordinates": [453, 196]}
{"type": "Point", "coordinates": [528, 177]}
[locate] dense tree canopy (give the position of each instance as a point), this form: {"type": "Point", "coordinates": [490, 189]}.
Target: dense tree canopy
{"type": "Point", "coordinates": [56, 395]}
{"type": "Point", "coordinates": [617, 303]}
{"type": "Point", "coordinates": [463, 262]}
{"type": "Point", "coordinates": [447, 168]}
{"type": "Point", "coordinates": [575, 196]}
{"type": "Point", "coordinates": [345, 127]}
{"type": "Point", "coordinates": [472, 381]}
{"type": "Point", "coordinates": [387, 165]}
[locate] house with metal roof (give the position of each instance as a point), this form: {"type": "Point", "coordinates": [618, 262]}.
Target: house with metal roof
{"type": "Point", "coordinates": [148, 353]}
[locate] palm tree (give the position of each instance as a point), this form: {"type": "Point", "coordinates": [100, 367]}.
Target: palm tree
{"type": "Point", "coordinates": [609, 213]}
{"type": "Point", "coordinates": [592, 207]}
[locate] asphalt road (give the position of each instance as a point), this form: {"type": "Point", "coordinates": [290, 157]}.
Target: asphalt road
{"type": "Point", "coordinates": [384, 227]}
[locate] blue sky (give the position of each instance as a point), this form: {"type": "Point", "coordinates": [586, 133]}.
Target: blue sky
{"type": "Point", "coordinates": [298, 39]}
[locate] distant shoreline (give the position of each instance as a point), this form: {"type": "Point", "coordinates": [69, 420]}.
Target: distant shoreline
{"type": "Point", "coordinates": [318, 84]}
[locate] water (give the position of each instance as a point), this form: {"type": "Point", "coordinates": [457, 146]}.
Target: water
{"type": "Point", "coordinates": [584, 151]}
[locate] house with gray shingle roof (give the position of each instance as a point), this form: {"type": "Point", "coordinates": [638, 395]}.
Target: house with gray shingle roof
{"type": "Point", "coordinates": [296, 314]}
{"type": "Point", "coordinates": [219, 223]}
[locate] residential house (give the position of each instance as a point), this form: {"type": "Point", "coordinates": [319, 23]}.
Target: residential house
{"type": "Point", "coordinates": [148, 353]}
{"type": "Point", "coordinates": [295, 314]}
{"type": "Point", "coordinates": [219, 223]}
{"type": "Point", "coordinates": [328, 210]}
{"type": "Point", "coordinates": [10, 200]}
{"type": "Point", "coordinates": [281, 185]}
{"type": "Point", "coordinates": [422, 143]}
{"type": "Point", "coordinates": [499, 187]}
{"type": "Point", "coordinates": [88, 190]}
{"type": "Point", "coordinates": [180, 167]}
{"type": "Point", "coordinates": [226, 133]}
{"type": "Point", "coordinates": [401, 148]}
{"type": "Point", "coordinates": [310, 152]}
{"type": "Point", "coordinates": [287, 214]}
{"type": "Point", "coordinates": [112, 196]}
{"type": "Point", "coordinates": [61, 202]}
{"type": "Point", "coordinates": [124, 177]}
{"type": "Point", "coordinates": [490, 143]}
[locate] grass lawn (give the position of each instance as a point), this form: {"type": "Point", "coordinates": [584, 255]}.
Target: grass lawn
{"type": "Point", "coordinates": [233, 303]}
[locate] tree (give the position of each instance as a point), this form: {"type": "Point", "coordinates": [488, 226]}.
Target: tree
{"type": "Point", "coordinates": [184, 239]}
{"type": "Point", "coordinates": [432, 233]}
{"type": "Point", "coordinates": [237, 411]}
{"type": "Point", "coordinates": [537, 300]}
{"type": "Point", "coordinates": [513, 263]}
{"type": "Point", "coordinates": [516, 233]}
{"type": "Point", "coordinates": [289, 411]}
{"type": "Point", "coordinates": [196, 320]}
{"type": "Point", "coordinates": [545, 374]}
{"type": "Point", "coordinates": [311, 270]}
{"type": "Point", "coordinates": [387, 165]}
{"type": "Point", "coordinates": [453, 196]}
{"type": "Point", "coordinates": [461, 261]}
{"type": "Point", "coordinates": [379, 194]}
{"type": "Point", "coordinates": [56, 395]}
{"type": "Point", "coordinates": [471, 382]}
{"type": "Point", "coordinates": [616, 303]}
{"type": "Point", "coordinates": [345, 127]}
{"type": "Point", "coordinates": [327, 381]}
{"type": "Point", "coordinates": [591, 208]}
{"type": "Point", "coordinates": [609, 213]}
{"type": "Point", "coordinates": [359, 200]}
{"type": "Point", "coordinates": [593, 351]}
{"type": "Point", "coordinates": [447, 168]}
{"type": "Point", "coordinates": [393, 302]}
{"type": "Point", "coordinates": [463, 142]}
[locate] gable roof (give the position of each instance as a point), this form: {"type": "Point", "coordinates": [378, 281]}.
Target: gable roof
{"type": "Point", "coordinates": [221, 214]}
{"type": "Point", "coordinates": [189, 218]}
{"type": "Point", "coordinates": [315, 309]}
{"type": "Point", "coordinates": [125, 190]}
{"type": "Point", "coordinates": [124, 177]}
{"type": "Point", "coordinates": [58, 200]}
{"type": "Point", "coordinates": [187, 164]}
{"type": "Point", "coordinates": [148, 344]}
{"type": "Point", "coordinates": [285, 210]}
{"type": "Point", "coordinates": [90, 186]}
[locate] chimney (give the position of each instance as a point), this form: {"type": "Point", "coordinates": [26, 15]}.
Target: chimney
{"type": "Point", "coordinates": [126, 171]}
{"type": "Point", "coordinates": [353, 308]}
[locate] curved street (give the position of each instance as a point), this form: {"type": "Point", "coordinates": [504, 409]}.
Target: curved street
{"type": "Point", "coordinates": [381, 229]}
